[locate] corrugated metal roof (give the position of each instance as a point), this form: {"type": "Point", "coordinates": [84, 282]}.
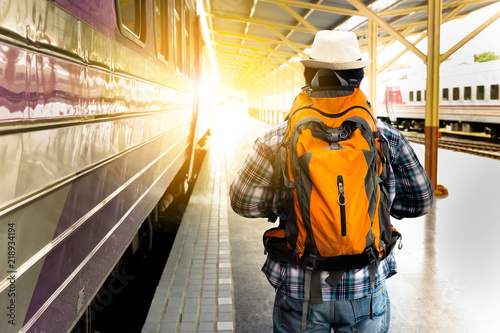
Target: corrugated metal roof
{"type": "Point", "coordinates": [260, 35]}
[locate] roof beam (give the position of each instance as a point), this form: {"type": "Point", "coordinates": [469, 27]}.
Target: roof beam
{"type": "Point", "coordinates": [409, 25]}
{"type": "Point", "coordinates": [268, 60]}
{"type": "Point", "coordinates": [225, 68]}
{"type": "Point", "coordinates": [425, 8]}
{"type": "Point", "coordinates": [287, 41]}
{"type": "Point", "coordinates": [275, 53]}
{"type": "Point", "coordinates": [263, 68]}
{"type": "Point", "coordinates": [239, 74]}
{"type": "Point", "coordinates": [267, 40]}
{"type": "Point", "coordinates": [279, 69]}
{"type": "Point", "coordinates": [245, 72]}
{"type": "Point", "coordinates": [260, 57]}
{"type": "Point", "coordinates": [252, 11]}
{"type": "Point", "coordinates": [399, 55]}
{"type": "Point", "coordinates": [268, 49]}
{"type": "Point", "coordinates": [392, 40]}
{"type": "Point", "coordinates": [349, 12]}
{"type": "Point", "coordinates": [384, 25]}
{"type": "Point", "coordinates": [469, 36]}
{"type": "Point", "coordinates": [450, 16]}
{"type": "Point", "coordinates": [324, 8]}
{"type": "Point", "coordinates": [265, 23]}
{"type": "Point", "coordinates": [299, 18]}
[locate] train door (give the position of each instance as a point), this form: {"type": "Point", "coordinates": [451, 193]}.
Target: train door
{"type": "Point", "coordinates": [389, 104]}
{"type": "Point", "coordinates": [197, 74]}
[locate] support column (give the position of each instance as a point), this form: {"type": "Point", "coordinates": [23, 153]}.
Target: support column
{"type": "Point", "coordinates": [276, 92]}
{"type": "Point", "coordinates": [432, 93]}
{"type": "Point", "coordinates": [372, 68]}
{"type": "Point", "coordinates": [284, 80]}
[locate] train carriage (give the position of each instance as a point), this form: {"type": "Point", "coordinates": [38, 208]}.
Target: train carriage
{"type": "Point", "coordinates": [99, 111]}
{"type": "Point", "coordinates": [468, 101]}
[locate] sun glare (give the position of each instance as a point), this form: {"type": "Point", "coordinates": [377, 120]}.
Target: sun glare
{"type": "Point", "coordinates": [228, 111]}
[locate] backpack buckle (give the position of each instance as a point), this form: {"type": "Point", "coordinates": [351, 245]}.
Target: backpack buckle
{"type": "Point", "coordinates": [370, 255]}
{"type": "Point", "coordinates": [310, 263]}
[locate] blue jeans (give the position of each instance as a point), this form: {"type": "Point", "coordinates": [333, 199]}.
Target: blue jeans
{"type": "Point", "coordinates": [341, 316]}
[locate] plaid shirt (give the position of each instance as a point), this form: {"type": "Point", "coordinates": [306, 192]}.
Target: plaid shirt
{"type": "Point", "coordinates": [252, 195]}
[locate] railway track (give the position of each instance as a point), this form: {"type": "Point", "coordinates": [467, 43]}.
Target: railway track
{"type": "Point", "coordinates": [468, 146]}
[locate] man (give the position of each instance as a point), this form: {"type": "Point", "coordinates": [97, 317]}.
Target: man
{"type": "Point", "coordinates": [346, 307]}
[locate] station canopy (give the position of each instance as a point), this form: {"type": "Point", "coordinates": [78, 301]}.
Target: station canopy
{"type": "Point", "coordinates": [253, 38]}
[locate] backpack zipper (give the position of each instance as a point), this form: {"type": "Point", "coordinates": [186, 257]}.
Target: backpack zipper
{"type": "Point", "coordinates": [342, 202]}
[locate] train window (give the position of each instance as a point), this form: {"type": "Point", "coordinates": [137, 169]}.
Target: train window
{"type": "Point", "coordinates": [467, 93]}
{"type": "Point", "coordinates": [494, 91]}
{"type": "Point", "coordinates": [480, 93]}
{"type": "Point", "coordinates": [178, 34]}
{"type": "Point", "coordinates": [187, 38]}
{"type": "Point", "coordinates": [419, 96]}
{"type": "Point", "coordinates": [456, 93]}
{"type": "Point", "coordinates": [446, 93]}
{"type": "Point", "coordinates": [161, 26]}
{"type": "Point", "coordinates": [130, 14]}
{"type": "Point", "coordinates": [411, 96]}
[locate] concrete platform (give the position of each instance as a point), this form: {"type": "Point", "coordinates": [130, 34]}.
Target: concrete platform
{"type": "Point", "coordinates": [448, 267]}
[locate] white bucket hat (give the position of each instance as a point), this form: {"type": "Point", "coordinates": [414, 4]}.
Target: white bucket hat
{"type": "Point", "coordinates": [336, 50]}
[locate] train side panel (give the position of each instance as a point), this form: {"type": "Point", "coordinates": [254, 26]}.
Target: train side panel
{"type": "Point", "coordinates": [93, 129]}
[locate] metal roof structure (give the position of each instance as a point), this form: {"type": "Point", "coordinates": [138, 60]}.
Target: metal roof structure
{"type": "Point", "coordinates": [252, 38]}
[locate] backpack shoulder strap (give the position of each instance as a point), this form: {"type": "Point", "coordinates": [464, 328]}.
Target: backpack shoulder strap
{"type": "Point", "coordinates": [312, 287]}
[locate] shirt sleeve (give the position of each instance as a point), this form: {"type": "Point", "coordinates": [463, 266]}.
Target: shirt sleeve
{"type": "Point", "coordinates": [412, 189]}
{"type": "Point", "coordinates": [252, 190]}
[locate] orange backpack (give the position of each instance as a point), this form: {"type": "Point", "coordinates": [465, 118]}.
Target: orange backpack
{"type": "Point", "coordinates": [332, 165]}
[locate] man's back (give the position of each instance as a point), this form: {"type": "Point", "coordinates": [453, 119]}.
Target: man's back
{"type": "Point", "coordinates": [254, 194]}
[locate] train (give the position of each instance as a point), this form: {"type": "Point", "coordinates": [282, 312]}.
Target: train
{"type": "Point", "coordinates": [468, 101]}
{"type": "Point", "coordinates": [101, 111]}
